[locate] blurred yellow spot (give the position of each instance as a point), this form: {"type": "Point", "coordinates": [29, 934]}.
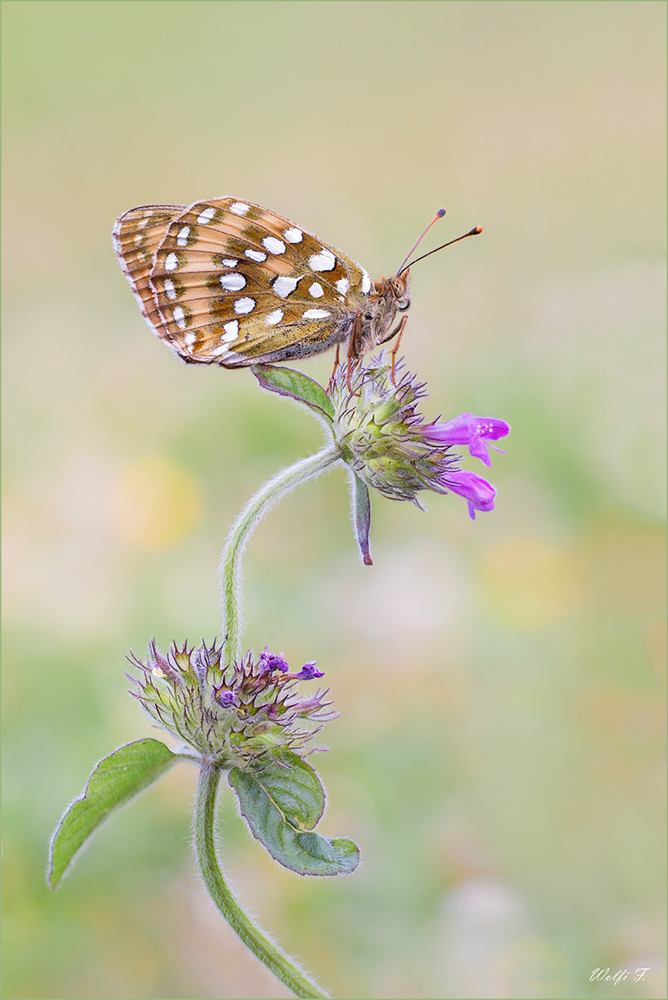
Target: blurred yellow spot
{"type": "Point", "coordinates": [155, 502]}
{"type": "Point", "coordinates": [530, 583]}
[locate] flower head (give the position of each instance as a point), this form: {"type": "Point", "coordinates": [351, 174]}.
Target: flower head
{"type": "Point", "coordinates": [232, 714]}
{"type": "Point", "coordinates": [386, 442]}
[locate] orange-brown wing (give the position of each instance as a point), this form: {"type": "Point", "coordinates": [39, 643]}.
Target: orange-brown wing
{"type": "Point", "coordinates": [235, 283]}
{"type": "Point", "coordinates": [136, 237]}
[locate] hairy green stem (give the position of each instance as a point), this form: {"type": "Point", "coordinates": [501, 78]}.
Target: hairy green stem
{"type": "Point", "coordinates": [230, 567]}
{"type": "Point", "coordinates": [252, 936]}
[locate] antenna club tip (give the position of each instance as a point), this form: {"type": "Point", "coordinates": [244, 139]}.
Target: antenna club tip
{"type": "Point", "coordinates": [476, 231]}
{"type": "Point", "coordinates": [440, 213]}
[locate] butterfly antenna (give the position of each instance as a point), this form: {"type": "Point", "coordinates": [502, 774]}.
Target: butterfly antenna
{"type": "Point", "coordinates": [439, 215]}
{"type": "Point", "coordinates": [404, 266]}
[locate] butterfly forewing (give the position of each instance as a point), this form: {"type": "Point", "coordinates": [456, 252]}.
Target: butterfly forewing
{"type": "Point", "coordinates": [136, 238]}
{"type": "Point", "coordinates": [232, 283]}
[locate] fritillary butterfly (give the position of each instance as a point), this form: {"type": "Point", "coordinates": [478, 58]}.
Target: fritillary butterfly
{"type": "Point", "coordinates": [231, 283]}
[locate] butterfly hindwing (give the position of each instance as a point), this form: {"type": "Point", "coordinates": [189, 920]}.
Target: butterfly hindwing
{"type": "Point", "coordinates": [136, 238]}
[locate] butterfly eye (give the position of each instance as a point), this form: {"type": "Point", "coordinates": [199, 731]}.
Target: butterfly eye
{"type": "Point", "coordinates": [400, 290]}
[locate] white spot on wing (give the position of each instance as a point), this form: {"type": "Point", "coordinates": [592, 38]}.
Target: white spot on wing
{"type": "Point", "coordinates": [316, 314]}
{"type": "Point", "coordinates": [239, 208]}
{"type": "Point", "coordinates": [182, 238]}
{"type": "Point", "coordinates": [243, 306]}
{"type": "Point", "coordinates": [256, 255]}
{"type": "Point", "coordinates": [323, 261]}
{"type": "Point", "coordinates": [189, 339]}
{"type": "Point", "coordinates": [293, 235]}
{"type": "Point", "coordinates": [315, 291]}
{"type": "Point", "coordinates": [171, 262]}
{"type": "Point", "coordinates": [169, 287]}
{"type": "Point", "coordinates": [230, 262]}
{"type": "Point", "coordinates": [231, 330]}
{"type": "Point", "coordinates": [205, 217]}
{"type": "Point", "coordinates": [343, 285]}
{"type": "Point", "coordinates": [223, 349]}
{"type": "Point", "coordinates": [179, 317]}
{"type": "Point", "coordinates": [273, 245]}
{"type": "Point", "coordinates": [232, 282]}
{"type": "Point", "coordinates": [283, 285]}
{"type": "Point", "coordinates": [366, 283]}
{"type": "Point", "coordinates": [274, 317]}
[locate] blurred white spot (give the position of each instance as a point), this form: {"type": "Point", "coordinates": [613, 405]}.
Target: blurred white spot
{"type": "Point", "coordinates": [486, 948]}
{"type": "Point", "coordinates": [423, 591]}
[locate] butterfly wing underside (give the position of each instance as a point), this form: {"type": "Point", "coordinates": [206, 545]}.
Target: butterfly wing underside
{"type": "Point", "coordinates": [232, 283]}
{"type": "Point", "coordinates": [136, 237]}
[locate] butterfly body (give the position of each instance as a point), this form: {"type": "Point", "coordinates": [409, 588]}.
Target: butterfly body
{"type": "Point", "coordinates": [231, 283]}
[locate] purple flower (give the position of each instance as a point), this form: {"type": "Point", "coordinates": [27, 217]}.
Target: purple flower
{"type": "Point", "coordinates": [476, 490]}
{"type": "Point", "coordinates": [226, 698]}
{"type": "Point", "coordinates": [308, 672]}
{"type": "Point", "coordinates": [270, 661]}
{"type": "Point", "coordinates": [471, 431]}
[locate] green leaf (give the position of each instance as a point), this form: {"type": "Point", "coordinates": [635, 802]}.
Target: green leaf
{"type": "Point", "coordinates": [362, 516]}
{"type": "Point", "coordinates": [113, 782]}
{"type": "Point", "coordinates": [281, 803]}
{"type": "Point", "coordinates": [288, 382]}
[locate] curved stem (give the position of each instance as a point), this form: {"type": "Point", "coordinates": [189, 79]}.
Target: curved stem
{"type": "Point", "coordinates": [230, 567]}
{"type": "Point", "coordinates": [252, 936]}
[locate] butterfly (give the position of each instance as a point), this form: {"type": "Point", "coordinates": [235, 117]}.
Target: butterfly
{"type": "Point", "coordinates": [231, 283]}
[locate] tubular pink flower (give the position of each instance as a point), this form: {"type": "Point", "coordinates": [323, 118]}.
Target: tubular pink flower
{"type": "Point", "coordinates": [476, 491]}
{"type": "Point", "coordinates": [468, 430]}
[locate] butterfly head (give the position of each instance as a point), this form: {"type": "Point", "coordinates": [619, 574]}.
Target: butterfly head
{"type": "Point", "coordinates": [400, 289]}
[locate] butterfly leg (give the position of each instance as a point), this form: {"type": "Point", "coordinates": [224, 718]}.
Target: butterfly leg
{"type": "Point", "coordinates": [399, 333]}
{"type": "Point", "coordinates": [354, 347]}
{"type": "Point", "coordinates": [336, 365]}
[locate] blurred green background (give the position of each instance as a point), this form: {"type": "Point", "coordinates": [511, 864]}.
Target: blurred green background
{"type": "Point", "coordinates": [499, 752]}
